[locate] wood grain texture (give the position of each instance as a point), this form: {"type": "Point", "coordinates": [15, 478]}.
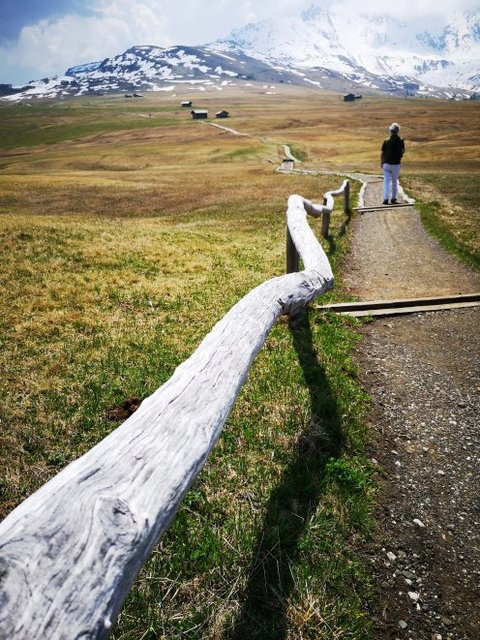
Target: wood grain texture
{"type": "Point", "coordinates": [70, 552]}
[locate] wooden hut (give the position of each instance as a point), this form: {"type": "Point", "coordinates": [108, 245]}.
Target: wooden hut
{"type": "Point", "coordinates": [350, 97]}
{"type": "Point", "coordinates": [198, 114]}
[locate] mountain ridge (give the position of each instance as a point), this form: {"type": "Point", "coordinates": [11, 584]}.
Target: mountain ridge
{"type": "Point", "coordinates": [446, 56]}
{"type": "Point", "coordinates": [319, 48]}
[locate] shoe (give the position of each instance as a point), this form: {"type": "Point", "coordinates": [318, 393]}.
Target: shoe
{"type": "Point", "coordinates": [393, 201]}
{"type": "Point", "coordinates": [385, 202]}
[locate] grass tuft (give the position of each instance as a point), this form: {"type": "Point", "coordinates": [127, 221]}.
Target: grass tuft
{"type": "Point", "coordinates": [450, 211]}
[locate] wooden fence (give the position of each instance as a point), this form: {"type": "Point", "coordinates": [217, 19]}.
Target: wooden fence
{"type": "Point", "coordinates": [70, 552]}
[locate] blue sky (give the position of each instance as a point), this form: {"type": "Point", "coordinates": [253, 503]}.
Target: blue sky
{"type": "Point", "coordinates": [44, 37]}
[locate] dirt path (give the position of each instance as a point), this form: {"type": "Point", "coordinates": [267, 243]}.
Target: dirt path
{"type": "Point", "coordinates": [397, 258]}
{"type": "Point", "coordinates": [423, 373]}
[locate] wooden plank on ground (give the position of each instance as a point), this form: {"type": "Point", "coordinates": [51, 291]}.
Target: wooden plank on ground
{"type": "Point", "coordinates": [384, 206]}
{"type": "Point", "coordinates": [377, 308]}
{"type": "Point", "coordinates": [378, 313]}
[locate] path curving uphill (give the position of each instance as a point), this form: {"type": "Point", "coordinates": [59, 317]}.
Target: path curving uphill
{"type": "Point", "coordinates": [423, 374]}
{"type": "Point", "coordinates": [392, 256]}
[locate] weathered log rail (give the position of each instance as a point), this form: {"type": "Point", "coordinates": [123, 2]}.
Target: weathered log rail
{"type": "Point", "coordinates": [328, 201]}
{"type": "Point", "coordinates": [318, 211]}
{"type": "Point", "coordinates": [70, 552]}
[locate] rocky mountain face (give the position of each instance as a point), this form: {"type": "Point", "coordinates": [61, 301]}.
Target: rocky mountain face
{"type": "Point", "coordinates": [319, 48]}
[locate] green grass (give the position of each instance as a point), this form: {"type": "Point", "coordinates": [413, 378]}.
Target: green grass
{"type": "Point", "coordinates": [263, 544]}
{"type": "Point", "coordinates": [432, 222]}
{"type": "Point", "coordinates": [450, 210]}
{"type": "Point", "coordinates": [41, 124]}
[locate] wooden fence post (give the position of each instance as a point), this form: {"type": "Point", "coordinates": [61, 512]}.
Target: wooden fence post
{"type": "Point", "coordinates": [346, 198]}
{"type": "Point", "coordinates": [325, 223]}
{"type": "Point", "coordinates": [293, 258]}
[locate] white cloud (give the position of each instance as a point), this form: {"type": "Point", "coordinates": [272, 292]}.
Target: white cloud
{"type": "Point", "coordinates": [407, 8]}
{"type": "Point", "coordinates": [50, 46]}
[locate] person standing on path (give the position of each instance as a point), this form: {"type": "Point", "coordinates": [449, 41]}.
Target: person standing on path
{"type": "Point", "coordinates": [393, 149]}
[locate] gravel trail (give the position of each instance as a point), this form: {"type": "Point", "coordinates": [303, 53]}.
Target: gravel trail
{"type": "Point", "coordinates": [423, 374]}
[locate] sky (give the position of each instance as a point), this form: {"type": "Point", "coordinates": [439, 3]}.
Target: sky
{"type": "Point", "coordinates": [40, 38]}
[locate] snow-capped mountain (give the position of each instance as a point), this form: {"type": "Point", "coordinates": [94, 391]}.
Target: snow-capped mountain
{"type": "Point", "coordinates": [443, 55]}
{"type": "Point", "coordinates": [151, 68]}
{"type": "Point", "coordinates": [319, 48]}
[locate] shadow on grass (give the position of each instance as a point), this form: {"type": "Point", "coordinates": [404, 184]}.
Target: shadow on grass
{"type": "Point", "coordinates": [292, 503]}
{"type": "Point", "coordinates": [332, 239]}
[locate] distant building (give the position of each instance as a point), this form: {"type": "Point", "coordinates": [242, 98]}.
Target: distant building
{"type": "Point", "coordinates": [197, 114]}
{"type": "Point", "coordinates": [350, 97]}
{"type": "Point", "coordinates": [137, 95]}
{"type": "Point", "coordinates": [186, 103]}
{"type": "Point", "coordinates": [222, 114]}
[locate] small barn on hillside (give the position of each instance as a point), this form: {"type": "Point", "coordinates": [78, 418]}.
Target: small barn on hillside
{"type": "Point", "coordinates": [222, 114]}
{"type": "Point", "coordinates": [350, 97]}
{"type": "Point", "coordinates": [198, 114]}
{"type": "Point", "coordinates": [186, 103]}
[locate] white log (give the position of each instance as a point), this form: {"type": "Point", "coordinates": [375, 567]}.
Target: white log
{"type": "Point", "coordinates": [324, 211]}
{"type": "Point", "coordinates": [70, 552]}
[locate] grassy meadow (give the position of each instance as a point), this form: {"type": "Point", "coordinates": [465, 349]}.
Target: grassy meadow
{"type": "Point", "coordinates": [127, 231]}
